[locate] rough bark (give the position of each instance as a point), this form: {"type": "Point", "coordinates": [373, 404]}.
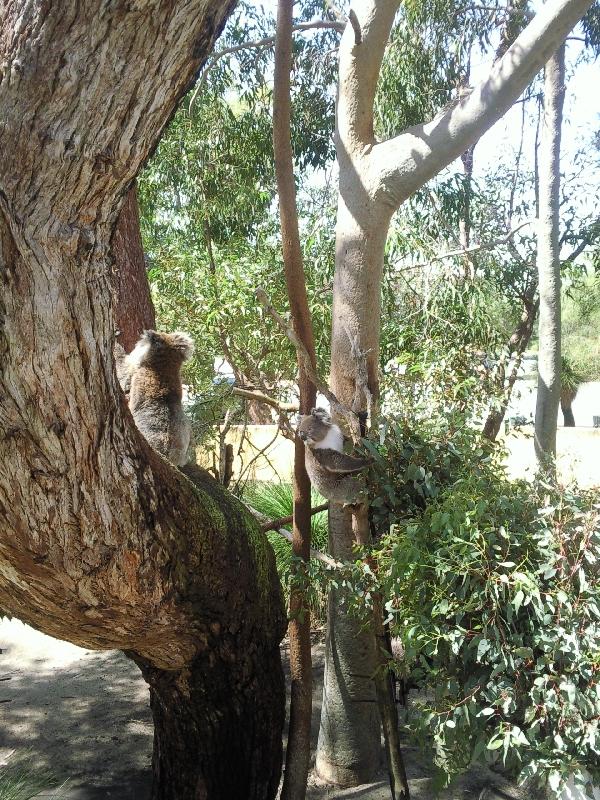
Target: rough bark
{"type": "Point", "coordinates": [102, 542]}
{"type": "Point", "coordinates": [349, 750]}
{"type": "Point", "coordinates": [298, 746]}
{"type": "Point", "coordinates": [375, 178]}
{"type": "Point", "coordinates": [134, 310]}
{"type": "Point", "coordinates": [548, 262]}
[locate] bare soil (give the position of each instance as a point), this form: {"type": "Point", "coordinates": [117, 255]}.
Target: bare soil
{"type": "Point", "coordinates": [84, 715]}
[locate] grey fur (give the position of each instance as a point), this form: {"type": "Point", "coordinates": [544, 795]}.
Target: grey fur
{"type": "Point", "coordinates": [154, 367]}
{"type": "Point", "coordinates": [337, 475]}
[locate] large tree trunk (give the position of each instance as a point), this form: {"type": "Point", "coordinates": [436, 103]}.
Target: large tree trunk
{"type": "Point", "coordinates": [102, 542]}
{"type": "Point", "coordinates": [349, 748]}
{"type": "Point", "coordinates": [548, 259]}
{"type": "Point", "coordinates": [375, 179]}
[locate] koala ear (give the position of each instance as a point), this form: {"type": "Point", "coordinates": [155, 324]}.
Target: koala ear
{"type": "Point", "coordinates": [183, 343]}
{"type": "Point", "coordinates": [150, 336]}
{"type": "Point", "coordinates": [315, 412]}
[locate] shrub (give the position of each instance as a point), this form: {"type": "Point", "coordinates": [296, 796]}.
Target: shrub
{"type": "Point", "coordinates": [276, 500]}
{"type": "Point", "coordinates": [493, 590]}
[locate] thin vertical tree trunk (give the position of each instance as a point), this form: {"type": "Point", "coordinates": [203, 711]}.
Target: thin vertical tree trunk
{"type": "Point", "coordinates": [516, 347]}
{"type": "Point", "coordinates": [548, 252]}
{"type": "Point", "coordinates": [133, 309]}
{"type": "Point", "coordinates": [298, 746]}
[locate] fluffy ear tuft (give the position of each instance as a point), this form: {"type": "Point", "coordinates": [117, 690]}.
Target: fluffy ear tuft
{"type": "Point", "coordinates": [183, 343]}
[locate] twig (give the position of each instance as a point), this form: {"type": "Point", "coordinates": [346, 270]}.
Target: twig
{"type": "Point", "coordinates": [260, 397]}
{"type": "Point", "coordinates": [259, 452]}
{"type": "Point", "coordinates": [353, 20]}
{"type": "Point", "coordinates": [476, 247]}
{"type": "Point", "coordinates": [263, 520]}
{"type": "Point", "coordinates": [260, 44]}
{"type": "Point", "coordinates": [349, 415]}
{"type": "Point", "coordinates": [275, 524]}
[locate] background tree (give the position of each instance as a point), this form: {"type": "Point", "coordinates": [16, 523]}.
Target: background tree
{"type": "Point", "coordinates": [549, 354]}
{"type": "Point", "coordinates": [375, 178]}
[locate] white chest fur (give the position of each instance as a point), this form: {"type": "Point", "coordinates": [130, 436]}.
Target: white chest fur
{"type": "Point", "coordinates": [333, 441]}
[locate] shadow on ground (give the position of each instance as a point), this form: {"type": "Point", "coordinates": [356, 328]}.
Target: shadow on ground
{"type": "Point", "coordinates": [82, 715]}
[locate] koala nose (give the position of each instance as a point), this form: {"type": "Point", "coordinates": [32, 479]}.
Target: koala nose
{"type": "Point", "coordinates": [303, 436]}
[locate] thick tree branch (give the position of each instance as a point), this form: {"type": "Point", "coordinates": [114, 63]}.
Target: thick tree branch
{"type": "Point", "coordinates": [404, 163]}
{"type": "Point", "coordinates": [94, 525]}
{"type": "Point", "coordinates": [361, 53]}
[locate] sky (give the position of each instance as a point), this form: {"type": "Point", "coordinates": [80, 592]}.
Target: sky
{"type": "Point", "coordinates": [581, 117]}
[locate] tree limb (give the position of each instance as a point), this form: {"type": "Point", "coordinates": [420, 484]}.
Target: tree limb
{"type": "Point", "coordinates": [274, 524]}
{"type": "Point", "coordinates": [259, 44]}
{"type": "Point", "coordinates": [260, 397]}
{"type": "Point", "coordinates": [404, 163]}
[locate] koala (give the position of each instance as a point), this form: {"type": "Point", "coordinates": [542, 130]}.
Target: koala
{"type": "Point", "coordinates": [152, 373]}
{"type": "Point", "coordinates": [334, 473]}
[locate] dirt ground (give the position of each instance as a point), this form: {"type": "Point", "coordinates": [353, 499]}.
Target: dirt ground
{"type": "Point", "coordinates": [85, 716]}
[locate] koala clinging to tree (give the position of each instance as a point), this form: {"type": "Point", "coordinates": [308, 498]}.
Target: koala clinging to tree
{"type": "Point", "coordinates": [151, 374]}
{"type": "Point", "coordinates": [334, 473]}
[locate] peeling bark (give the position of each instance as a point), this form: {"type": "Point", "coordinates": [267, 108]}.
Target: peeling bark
{"type": "Point", "coordinates": [102, 542]}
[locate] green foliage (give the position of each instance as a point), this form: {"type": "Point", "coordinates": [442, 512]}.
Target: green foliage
{"type": "Point", "coordinates": [580, 325]}
{"type": "Point", "coordinates": [413, 462]}
{"type": "Point", "coordinates": [19, 780]}
{"type": "Point", "coordinates": [494, 591]}
{"type": "Point", "coordinates": [428, 59]}
{"type": "Point", "coordinates": [570, 377]}
{"type": "Point", "coordinates": [275, 500]}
